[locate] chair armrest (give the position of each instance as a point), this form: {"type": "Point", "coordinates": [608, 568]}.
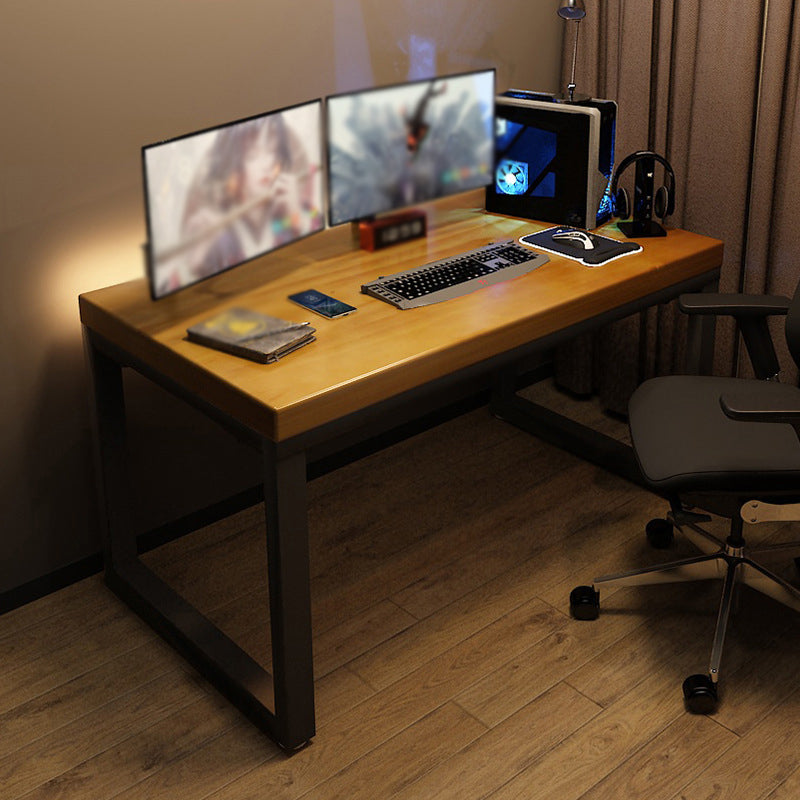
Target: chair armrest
{"type": "Point", "coordinates": [762, 409]}
{"type": "Point", "coordinates": [736, 305]}
{"type": "Point", "coordinates": [751, 313]}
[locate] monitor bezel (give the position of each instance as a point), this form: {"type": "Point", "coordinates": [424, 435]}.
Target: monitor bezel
{"type": "Point", "coordinates": [388, 87]}
{"type": "Point", "coordinates": [148, 245]}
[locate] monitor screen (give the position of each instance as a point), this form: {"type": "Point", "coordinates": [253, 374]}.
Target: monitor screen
{"type": "Point", "coordinates": [220, 197]}
{"type": "Point", "coordinates": [392, 147]}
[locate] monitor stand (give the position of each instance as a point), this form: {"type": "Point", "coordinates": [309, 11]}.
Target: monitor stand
{"type": "Point", "coordinates": [376, 233]}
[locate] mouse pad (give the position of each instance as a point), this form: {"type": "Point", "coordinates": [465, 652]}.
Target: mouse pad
{"type": "Point", "coordinates": [602, 248]}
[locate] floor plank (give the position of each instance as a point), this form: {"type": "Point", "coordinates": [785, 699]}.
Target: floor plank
{"type": "Point", "coordinates": [668, 762]}
{"type": "Point", "coordinates": [402, 760]}
{"type": "Point", "coordinates": [508, 748]}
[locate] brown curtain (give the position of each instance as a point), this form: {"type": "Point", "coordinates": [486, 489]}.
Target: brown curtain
{"type": "Point", "coordinates": [713, 87]}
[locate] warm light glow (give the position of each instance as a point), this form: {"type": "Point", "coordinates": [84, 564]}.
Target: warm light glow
{"type": "Point", "coordinates": [104, 259]}
{"type": "Point", "coordinates": [103, 250]}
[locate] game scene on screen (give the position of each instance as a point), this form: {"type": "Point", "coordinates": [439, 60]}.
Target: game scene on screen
{"type": "Point", "coordinates": [392, 147]}
{"type": "Point", "coordinates": [224, 196]}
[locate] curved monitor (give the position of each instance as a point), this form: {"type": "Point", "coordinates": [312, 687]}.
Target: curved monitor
{"type": "Point", "coordinates": [220, 197]}
{"type": "Point", "coordinates": [395, 146]}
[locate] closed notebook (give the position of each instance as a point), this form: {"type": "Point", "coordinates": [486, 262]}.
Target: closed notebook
{"type": "Point", "coordinates": [252, 335]}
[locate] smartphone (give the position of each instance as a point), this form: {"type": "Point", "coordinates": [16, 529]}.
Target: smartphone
{"type": "Point", "coordinates": [321, 303]}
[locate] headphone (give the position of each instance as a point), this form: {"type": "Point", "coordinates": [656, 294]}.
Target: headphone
{"type": "Point", "coordinates": [664, 197]}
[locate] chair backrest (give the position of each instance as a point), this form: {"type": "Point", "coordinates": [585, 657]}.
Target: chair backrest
{"type": "Point", "coordinates": [792, 328]}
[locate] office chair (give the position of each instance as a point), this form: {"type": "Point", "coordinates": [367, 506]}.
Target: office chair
{"type": "Point", "coordinates": [728, 446]}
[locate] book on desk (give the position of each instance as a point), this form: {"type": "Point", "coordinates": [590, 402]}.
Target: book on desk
{"type": "Point", "coordinates": [249, 334]}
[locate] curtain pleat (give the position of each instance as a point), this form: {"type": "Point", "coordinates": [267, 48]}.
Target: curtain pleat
{"type": "Point", "coordinates": [773, 244]}
{"type": "Point", "coordinates": [724, 111]}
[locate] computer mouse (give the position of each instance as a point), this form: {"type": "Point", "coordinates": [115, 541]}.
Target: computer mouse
{"type": "Point", "coordinates": [576, 238]}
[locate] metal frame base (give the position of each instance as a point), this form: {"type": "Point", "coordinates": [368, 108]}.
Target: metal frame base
{"type": "Point", "coordinates": [282, 703]}
{"type": "Point", "coordinates": [732, 563]}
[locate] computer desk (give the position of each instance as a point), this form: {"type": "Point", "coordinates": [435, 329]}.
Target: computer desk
{"type": "Point", "coordinates": [366, 374]}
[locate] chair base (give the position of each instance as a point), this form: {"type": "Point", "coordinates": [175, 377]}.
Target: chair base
{"type": "Point", "coordinates": [730, 562]}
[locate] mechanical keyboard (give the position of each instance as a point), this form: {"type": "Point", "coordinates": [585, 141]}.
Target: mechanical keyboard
{"type": "Point", "coordinates": [455, 276]}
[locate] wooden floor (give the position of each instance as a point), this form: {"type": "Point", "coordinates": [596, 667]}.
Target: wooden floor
{"type": "Point", "coordinates": [447, 665]}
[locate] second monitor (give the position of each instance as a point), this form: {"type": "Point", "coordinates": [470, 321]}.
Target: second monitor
{"type": "Point", "coordinates": [392, 147]}
{"type": "Point", "coordinates": [223, 196]}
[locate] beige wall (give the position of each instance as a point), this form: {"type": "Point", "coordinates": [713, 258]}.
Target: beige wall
{"type": "Point", "coordinates": [85, 84]}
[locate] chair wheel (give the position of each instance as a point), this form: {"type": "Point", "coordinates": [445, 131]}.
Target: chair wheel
{"type": "Point", "coordinates": [700, 694]}
{"type": "Point", "coordinates": [659, 533]}
{"type": "Point", "coordinates": [584, 602]}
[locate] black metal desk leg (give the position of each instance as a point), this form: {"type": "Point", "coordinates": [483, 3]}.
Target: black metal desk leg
{"type": "Point", "coordinates": [108, 412]}
{"type": "Point", "coordinates": [281, 704]}
{"type": "Point", "coordinates": [289, 595]}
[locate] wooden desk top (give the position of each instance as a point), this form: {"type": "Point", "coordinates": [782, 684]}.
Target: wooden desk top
{"type": "Point", "coordinates": [379, 351]}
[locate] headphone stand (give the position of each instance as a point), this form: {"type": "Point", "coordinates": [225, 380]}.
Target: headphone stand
{"type": "Point", "coordinates": [641, 228]}
{"type": "Point", "coordinates": [646, 200]}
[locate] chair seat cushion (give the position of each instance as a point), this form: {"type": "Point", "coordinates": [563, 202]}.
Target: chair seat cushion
{"type": "Point", "coordinates": [684, 442]}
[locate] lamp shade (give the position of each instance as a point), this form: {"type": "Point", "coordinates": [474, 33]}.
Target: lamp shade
{"type": "Point", "coordinates": [571, 9]}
